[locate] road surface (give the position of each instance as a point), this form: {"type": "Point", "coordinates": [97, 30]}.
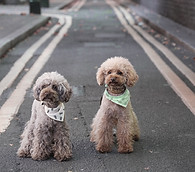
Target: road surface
{"type": "Point", "coordinates": [78, 40]}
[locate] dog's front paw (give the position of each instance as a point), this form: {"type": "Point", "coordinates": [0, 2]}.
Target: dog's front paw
{"type": "Point", "coordinates": [125, 149]}
{"type": "Point", "coordinates": [136, 137]}
{"type": "Point", "coordinates": [23, 153]}
{"type": "Point", "coordinates": [39, 156]}
{"type": "Point", "coordinates": [63, 156]}
{"type": "Point", "coordinates": [103, 149]}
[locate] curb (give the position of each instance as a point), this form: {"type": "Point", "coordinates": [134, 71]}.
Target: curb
{"type": "Point", "coordinates": [169, 35]}
{"type": "Point", "coordinates": [16, 37]}
{"type": "Point", "coordinates": [151, 20]}
{"type": "Point", "coordinates": [62, 5]}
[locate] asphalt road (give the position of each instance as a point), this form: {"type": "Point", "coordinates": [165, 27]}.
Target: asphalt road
{"type": "Point", "coordinates": [167, 141]}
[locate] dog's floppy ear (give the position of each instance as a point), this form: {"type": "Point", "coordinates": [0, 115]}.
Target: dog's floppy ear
{"type": "Point", "coordinates": [36, 92]}
{"type": "Point", "coordinates": [100, 76]}
{"type": "Point", "coordinates": [131, 75]}
{"type": "Point", "coordinates": [65, 92]}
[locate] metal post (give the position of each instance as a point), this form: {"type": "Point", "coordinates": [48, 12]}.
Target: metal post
{"type": "Point", "coordinates": [35, 7]}
{"type": "Point", "coordinates": [45, 3]}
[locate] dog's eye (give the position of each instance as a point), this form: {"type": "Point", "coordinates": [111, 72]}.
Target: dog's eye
{"type": "Point", "coordinates": [119, 73]}
{"type": "Point", "coordinates": [54, 87]}
{"type": "Point", "coordinates": [109, 72]}
{"type": "Point", "coordinates": [44, 86]}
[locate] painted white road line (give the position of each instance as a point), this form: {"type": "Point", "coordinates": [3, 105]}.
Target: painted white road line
{"type": "Point", "coordinates": [81, 3]}
{"type": "Point", "coordinates": [187, 96]}
{"type": "Point", "coordinates": [168, 54]}
{"type": "Point", "coordinates": [19, 65]}
{"type": "Point", "coordinates": [74, 6]}
{"type": "Point", "coordinates": [13, 103]}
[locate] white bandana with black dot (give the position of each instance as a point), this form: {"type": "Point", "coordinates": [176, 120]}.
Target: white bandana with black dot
{"type": "Point", "coordinates": [57, 113]}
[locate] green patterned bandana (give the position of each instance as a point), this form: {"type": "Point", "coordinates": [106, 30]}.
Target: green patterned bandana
{"type": "Point", "coordinates": [121, 100]}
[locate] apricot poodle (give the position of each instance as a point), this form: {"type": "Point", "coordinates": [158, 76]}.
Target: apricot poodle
{"type": "Point", "coordinates": [115, 111]}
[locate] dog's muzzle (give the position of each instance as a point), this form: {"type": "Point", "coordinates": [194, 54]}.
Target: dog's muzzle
{"type": "Point", "coordinates": [48, 95]}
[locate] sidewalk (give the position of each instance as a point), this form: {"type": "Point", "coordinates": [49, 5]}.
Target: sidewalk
{"type": "Point", "coordinates": [16, 27]}
{"type": "Point", "coordinates": [178, 33]}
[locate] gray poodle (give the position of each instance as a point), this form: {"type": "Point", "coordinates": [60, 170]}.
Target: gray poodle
{"type": "Point", "coordinates": [46, 133]}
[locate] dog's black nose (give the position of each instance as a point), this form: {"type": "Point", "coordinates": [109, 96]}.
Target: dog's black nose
{"type": "Point", "coordinates": [113, 79]}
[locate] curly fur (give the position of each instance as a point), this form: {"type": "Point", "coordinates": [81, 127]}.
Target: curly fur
{"type": "Point", "coordinates": [117, 73]}
{"type": "Point", "coordinates": [121, 64]}
{"type": "Point", "coordinates": [43, 136]}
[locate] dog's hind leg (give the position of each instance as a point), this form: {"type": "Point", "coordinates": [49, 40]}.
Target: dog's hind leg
{"type": "Point", "coordinates": [134, 124]}
{"type": "Point", "coordinates": [136, 129]}
{"type": "Point", "coordinates": [94, 127]}
{"type": "Point", "coordinates": [26, 142]}
{"type": "Point", "coordinates": [27, 135]}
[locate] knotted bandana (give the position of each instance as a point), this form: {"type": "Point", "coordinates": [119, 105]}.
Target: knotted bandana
{"type": "Point", "coordinates": [121, 100]}
{"type": "Point", "coordinates": [57, 113]}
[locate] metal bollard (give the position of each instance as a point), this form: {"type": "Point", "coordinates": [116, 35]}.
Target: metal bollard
{"type": "Point", "coordinates": [45, 3]}
{"type": "Point", "coordinates": [35, 7]}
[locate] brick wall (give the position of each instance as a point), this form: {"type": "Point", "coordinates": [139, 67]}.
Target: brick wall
{"type": "Point", "coordinates": [181, 11]}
